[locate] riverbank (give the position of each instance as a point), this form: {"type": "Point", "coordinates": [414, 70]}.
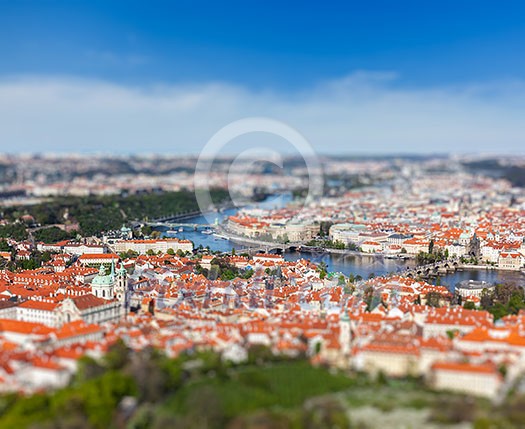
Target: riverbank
{"type": "Point", "coordinates": [348, 262]}
{"type": "Point", "coordinates": [358, 253]}
{"type": "Point", "coordinates": [488, 268]}
{"type": "Point", "coordinates": [302, 247]}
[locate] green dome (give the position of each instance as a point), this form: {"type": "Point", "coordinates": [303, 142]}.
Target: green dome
{"type": "Point", "coordinates": [103, 279]}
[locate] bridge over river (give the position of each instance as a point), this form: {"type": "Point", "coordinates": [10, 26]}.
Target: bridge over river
{"type": "Point", "coordinates": [175, 225]}
{"type": "Point", "coordinates": [433, 270]}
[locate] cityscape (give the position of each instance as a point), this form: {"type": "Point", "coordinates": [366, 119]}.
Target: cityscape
{"type": "Point", "coordinates": [276, 267]}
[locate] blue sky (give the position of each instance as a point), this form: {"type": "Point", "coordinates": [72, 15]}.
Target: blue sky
{"type": "Point", "coordinates": [349, 75]}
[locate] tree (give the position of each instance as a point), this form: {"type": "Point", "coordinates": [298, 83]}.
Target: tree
{"type": "Point", "coordinates": [146, 230]}
{"type": "Point", "coordinates": [434, 299]}
{"type": "Point", "coordinates": [368, 298]}
{"type": "Point", "coordinates": [51, 235]}
{"type": "Point", "coordinates": [486, 299]}
{"type": "Point", "coordinates": [322, 269]}
{"type": "Point", "coordinates": [117, 356]}
{"type": "Point", "coordinates": [248, 273]}
{"type": "Point", "coordinates": [324, 228]}
{"type": "Point", "coordinates": [4, 246]}
{"type": "Point", "coordinates": [498, 310]}
{"type": "Point", "coordinates": [515, 303]}
{"type": "Point", "coordinates": [16, 231]}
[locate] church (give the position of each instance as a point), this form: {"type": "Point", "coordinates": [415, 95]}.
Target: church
{"type": "Point", "coordinates": [107, 302]}
{"type": "Point", "coordinates": [110, 286]}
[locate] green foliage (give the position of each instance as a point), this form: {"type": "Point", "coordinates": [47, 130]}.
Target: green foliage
{"type": "Point", "coordinates": [4, 246]}
{"type": "Point", "coordinates": [424, 258]}
{"type": "Point", "coordinates": [95, 401]}
{"type": "Point", "coordinates": [199, 390]}
{"type": "Point", "coordinates": [324, 228]}
{"type": "Point", "coordinates": [434, 299]}
{"type": "Point", "coordinates": [327, 244]}
{"type": "Point", "coordinates": [354, 247]}
{"type": "Point", "coordinates": [222, 269]}
{"type": "Point", "coordinates": [102, 213]}
{"type": "Point", "coordinates": [16, 231]}
{"type": "Point", "coordinates": [505, 299]}
{"type": "Point", "coordinates": [52, 235]}
{"type": "Point", "coordinates": [35, 260]}
{"type": "Point", "coordinates": [470, 260]}
{"type": "Point", "coordinates": [469, 305]}
{"type": "Point", "coordinates": [287, 384]}
{"type": "Point", "coordinates": [117, 356]}
{"type": "Point", "coordinates": [322, 268]}
{"type": "Point", "coordinates": [130, 254]}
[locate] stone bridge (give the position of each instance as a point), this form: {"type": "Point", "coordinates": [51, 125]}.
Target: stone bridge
{"type": "Point", "coordinates": [274, 248]}
{"type": "Point", "coordinates": [433, 270]}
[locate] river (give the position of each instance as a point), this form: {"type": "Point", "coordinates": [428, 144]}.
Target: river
{"type": "Point", "coordinates": [362, 265]}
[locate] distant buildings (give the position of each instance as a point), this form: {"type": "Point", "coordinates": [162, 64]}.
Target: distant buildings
{"type": "Point", "coordinates": [469, 288]}
{"type": "Point", "coordinates": [510, 261]}
{"type": "Point", "coordinates": [272, 229]}
{"type": "Point", "coordinates": [161, 245]}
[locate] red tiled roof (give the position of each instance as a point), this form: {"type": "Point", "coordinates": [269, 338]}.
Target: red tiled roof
{"type": "Point", "coordinates": [465, 367]}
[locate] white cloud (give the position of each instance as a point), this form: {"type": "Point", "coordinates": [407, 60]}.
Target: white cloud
{"type": "Point", "coordinates": [362, 113]}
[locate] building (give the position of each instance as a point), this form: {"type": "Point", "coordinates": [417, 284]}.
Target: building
{"type": "Point", "coordinates": [474, 379]}
{"type": "Point", "coordinates": [346, 232]}
{"type": "Point", "coordinates": [39, 312]}
{"type": "Point", "coordinates": [262, 258]}
{"type": "Point", "coordinates": [91, 309]}
{"type": "Point", "coordinates": [398, 238]}
{"type": "Point", "coordinates": [94, 259]}
{"type": "Point", "coordinates": [510, 261]}
{"type": "Point", "coordinates": [468, 288]}
{"type": "Point", "coordinates": [396, 360]}
{"type": "Point", "coordinates": [110, 286]}
{"type": "Point", "coordinates": [80, 249]}
{"type": "Point", "coordinates": [371, 246]}
{"type": "Point", "coordinates": [162, 245]}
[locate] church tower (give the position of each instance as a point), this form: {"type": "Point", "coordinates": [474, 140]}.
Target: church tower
{"type": "Point", "coordinates": [121, 284]}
